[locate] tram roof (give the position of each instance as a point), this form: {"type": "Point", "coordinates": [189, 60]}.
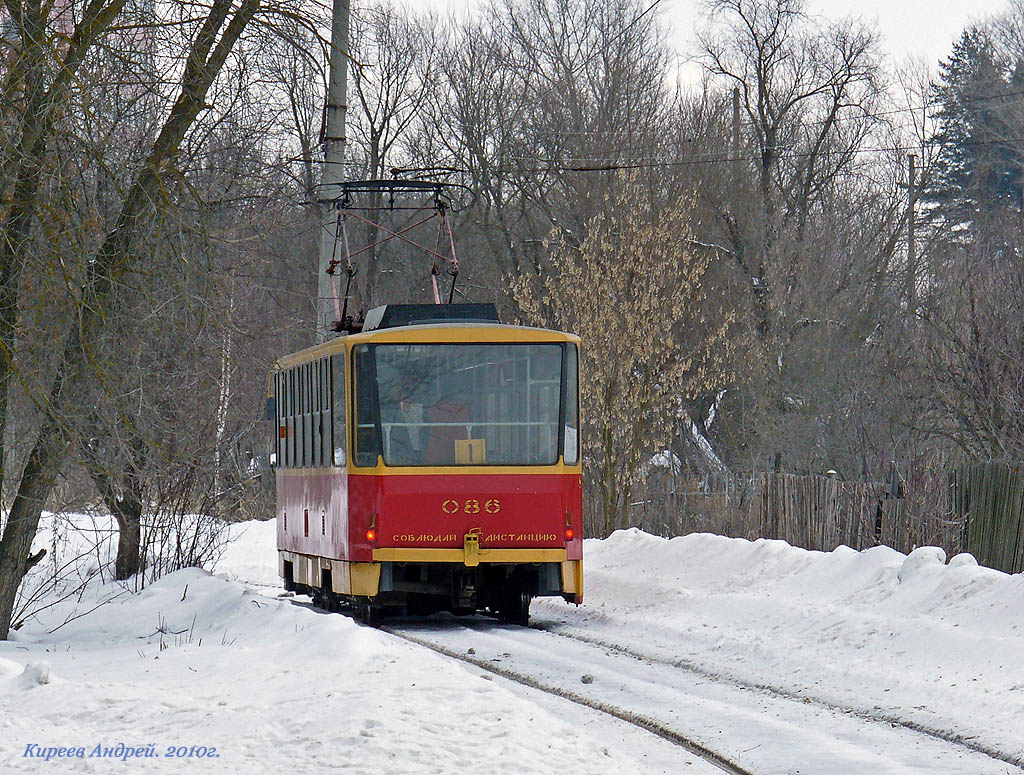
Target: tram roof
{"type": "Point", "coordinates": [432, 333]}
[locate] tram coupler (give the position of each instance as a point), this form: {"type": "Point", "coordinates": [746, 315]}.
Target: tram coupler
{"type": "Point", "coordinates": [471, 548]}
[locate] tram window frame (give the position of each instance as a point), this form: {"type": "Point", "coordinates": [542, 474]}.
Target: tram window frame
{"type": "Point", "coordinates": [359, 457]}
{"type": "Point", "coordinates": [326, 414]}
{"type": "Point", "coordinates": [314, 394]}
{"type": "Point", "coordinates": [279, 410]}
{"type": "Point", "coordinates": [290, 448]}
{"type": "Point", "coordinates": [339, 405]}
{"type": "Point", "coordinates": [570, 392]}
{"type": "Point", "coordinates": [305, 420]}
{"type": "Point", "coordinates": [362, 459]}
{"type": "Point", "coordinates": [289, 440]}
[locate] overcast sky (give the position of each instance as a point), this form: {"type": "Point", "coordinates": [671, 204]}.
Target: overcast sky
{"type": "Point", "coordinates": [909, 28]}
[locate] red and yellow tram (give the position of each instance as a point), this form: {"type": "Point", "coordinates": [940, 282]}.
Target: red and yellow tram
{"type": "Point", "coordinates": [431, 462]}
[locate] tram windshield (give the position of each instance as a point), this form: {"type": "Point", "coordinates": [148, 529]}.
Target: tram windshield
{"type": "Point", "coordinates": [462, 404]}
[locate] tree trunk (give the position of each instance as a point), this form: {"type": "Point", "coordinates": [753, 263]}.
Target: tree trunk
{"type": "Point", "coordinates": [609, 482]}
{"type": "Point", "coordinates": [115, 257]}
{"type": "Point", "coordinates": [224, 399]}
{"type": "Point", "coordinates": [36, 483]}
{"type": "Point", "coordinates": [126, 508]}
{"type": "Point", "coordinates": [129, 541]}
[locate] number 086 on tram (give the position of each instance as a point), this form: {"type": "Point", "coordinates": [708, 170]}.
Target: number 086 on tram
{"type": "Point", "coordinates": [431, 462]}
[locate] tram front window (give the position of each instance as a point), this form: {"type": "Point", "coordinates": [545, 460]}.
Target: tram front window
{"type": "Point", "coordinates": [464, 404]}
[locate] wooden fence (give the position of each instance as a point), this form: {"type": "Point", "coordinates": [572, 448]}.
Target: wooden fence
{"type": "Point", "coordinates": [814, 512]}
{"type": "Point", "coordinates": [988, 500]}
{"type": "Point", "coordinates": [669, 504]}
{"type": "Point", "coordinates": [819, 512]}
{"type": "Point", "coordinates": [977, 508]}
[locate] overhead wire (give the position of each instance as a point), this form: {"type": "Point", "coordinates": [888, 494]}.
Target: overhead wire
{"type": "Point", "coordinates": [551, 165]}
{"type": "Point", "coordinates": [611, 161]}
{"type": "Point", "coordinates": [611, 158]}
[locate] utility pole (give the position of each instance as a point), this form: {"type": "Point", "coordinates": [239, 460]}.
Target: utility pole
{"type": "Point", "coordinates": [334, 165]}
{"type": "Point", "coordinates": [911, 240]}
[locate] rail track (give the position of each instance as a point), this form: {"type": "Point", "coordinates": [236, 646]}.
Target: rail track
{"type": "Point", "coordinates": [643, 722]}
{"type": "Point", "coordinates": [702, 712]}
{"type": "Point", "coordinates": [449, 637]}
{"type": "Point", "coordinates": [883, 718]}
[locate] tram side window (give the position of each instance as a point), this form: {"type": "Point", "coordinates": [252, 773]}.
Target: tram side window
{"type": "Point", "coordinates": [314, 394]}
{"type": "Point", "coordinates": [307, 418]}
{"type": "Point", "coordinates": [367, 437]}
{"type": "Point", "coordinates": [571, 442]}
{"type": "Point", "coordinates": [323, 452]}
{"type": "Point", "coordinates": [299, 408]}
{"type": "Point", "coordinates": [311, 439]}
{"type": "Point", "coordinates": [292, 430]}
{"type": "Point", "coordinates": [281, 410]}
{"type": "Point", "coordinates": [326, 412]}
{"type": "Point", "coordinates": [282, 422]}
{"type": "Point", "coordinates": [289, 388]}
{"type": "Point", "coordinates": [338, 407]}
{"type": "Point", "coordinates": [297, 419]}
{"type": "Point", "coordinates": [302, 442]}
{"type": "Point", "coordinates": [295, 458]}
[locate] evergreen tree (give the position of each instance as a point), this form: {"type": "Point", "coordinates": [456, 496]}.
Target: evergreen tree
{"type": "Point", "coordinates": [978, 167]}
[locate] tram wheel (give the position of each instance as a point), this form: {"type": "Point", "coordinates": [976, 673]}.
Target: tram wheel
{"type": "Point", "coordinates": [517, 608]}
{"type": "Point", "coordinates": [368, 614]}
{"type": "Point", "coordinates": [324, 599]}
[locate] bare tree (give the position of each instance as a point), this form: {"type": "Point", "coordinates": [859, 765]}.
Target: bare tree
{"type": "Point", "coordinates": [807, 93]}
{"type": "Point", "coordinates": [632, 286]}
{"type": "Point", "coordinates": [395, 57]}
{"type": "Point", "coordinates": [213, 41]}
{"type": "Point", "coordinates": [530, 103]}
{"type": "Point", "coordinates": [810, 223]}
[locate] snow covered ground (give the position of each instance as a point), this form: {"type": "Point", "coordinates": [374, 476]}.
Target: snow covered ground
{"type": "Point", "coordinates": [894, 636]}
{"type": "Point", "coordinates": [197, 662]}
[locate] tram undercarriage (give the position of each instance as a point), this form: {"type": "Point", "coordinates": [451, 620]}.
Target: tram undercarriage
{"type": "Point", "coordinates": [423, 588]}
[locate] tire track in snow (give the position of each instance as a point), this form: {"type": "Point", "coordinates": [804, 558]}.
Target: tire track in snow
{"type": "Point", "coordinates": [635, 719]}
{"type": "Point", "coordinates": [643, 722]}
{"type": "Point", "coordinates": [654, 727]}
{"type": "Point", "coordinates": [882, 718]}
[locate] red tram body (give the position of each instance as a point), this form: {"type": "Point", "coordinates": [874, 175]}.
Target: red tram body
{"type": "Point", "coordinates": [431, 462]}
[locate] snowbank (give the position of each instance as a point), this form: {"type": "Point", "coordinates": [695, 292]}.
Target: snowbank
{"type": "Point", "coordinates": [200, 661]}
{"type": "Point", "coordinates": [245, 683]}
{"type": "Point", "coordinates": [909, 636]}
